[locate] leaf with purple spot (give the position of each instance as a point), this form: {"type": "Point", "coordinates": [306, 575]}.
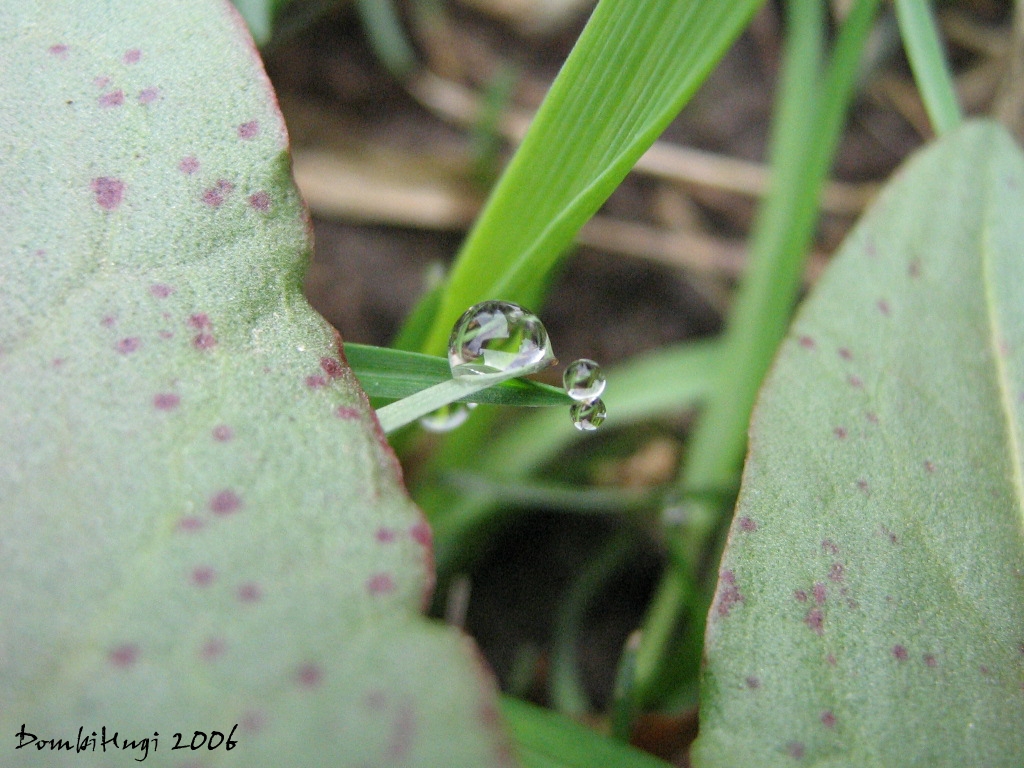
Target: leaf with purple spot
{"type": "Point", "coordinates": [190, 534]}
{"type": "Point", "coordinates": [883, 585]}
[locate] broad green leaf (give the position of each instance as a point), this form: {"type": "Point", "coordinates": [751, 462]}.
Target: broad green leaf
{"type": "Point", "coordinates": [635, 65]}
{"type": "Point", "coordinates": [200, 524]}
{"type": "Point", "coordinates": [870, 603]}
{"type": "Point", "coordinates": [390, 374]}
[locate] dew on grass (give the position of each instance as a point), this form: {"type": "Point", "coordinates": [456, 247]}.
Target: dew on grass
{"type": "Point", "coordinates": [497, 337]}
{"type": "Point", "coordinates": [588, 416]}
{"type": "Point", "coordinates": [446, 418]}
{"type": "Point", "coordinates": [583, 380]}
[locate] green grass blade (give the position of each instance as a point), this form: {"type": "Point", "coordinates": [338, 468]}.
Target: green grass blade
{"type": "Point", "coordinates": [391, 374]}
{"type": "Point", "coordinates": [635, 65]}
{"type": "Point", "coordinates": [545, 739]}
{"type": "Point", "coordinates": [927, 60]}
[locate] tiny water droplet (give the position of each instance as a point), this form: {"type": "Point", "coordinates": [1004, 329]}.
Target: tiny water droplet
{"type": "Point", "coordinates": [446, 418]}
{"type": "Point", "coordinates": [584, 381]}
{"type": "Point", "coordinates": [495, 337]}
{"type": "Point", "coordinates": [588, 416]}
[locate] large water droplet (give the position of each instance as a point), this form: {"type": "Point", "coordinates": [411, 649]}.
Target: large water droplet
{"type": "Point", "coordinates": [588, 416]}
{"type": "Point", "coordinates": [584, 381]}
{"type": "Point", "coordinates": [446, 418]}
{"type": "Point", "coordinates": [495, 337]}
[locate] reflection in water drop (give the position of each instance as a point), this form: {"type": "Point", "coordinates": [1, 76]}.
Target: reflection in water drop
{"type": "Point", "coordinates": [446, 418]}
{"type": "Point", "coordinates": [587, 416]}
{"type": "Point", "coordinates": [495, 337]}
{"type": "Point", "coordinates": [584, 381]}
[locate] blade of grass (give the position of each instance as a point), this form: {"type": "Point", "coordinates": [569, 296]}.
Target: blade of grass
{"type": "Point", "coordinates": [928, 62]}
{"type": "Point", "coordinates": [545, 739]}
{"type": "Point", "coordinates": [805, 134]}
{"type": "Point", "coordinates": [635, 65]}
{"type": "Point", "coordinates": [391, 374]}
{"type": "Point", "coordinates": [567, 692]}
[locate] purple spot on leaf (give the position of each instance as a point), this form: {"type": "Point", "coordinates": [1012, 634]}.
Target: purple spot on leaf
{"type": "Point", "coordinates": [914, 268]}
{"type": "Point", "coordinates": [845, 353]}
{"type": "Point", "coordinates": [807, 342]}
{"type": "Point", "coordinates": [346, 412]}
{"type": "Point", "coordinates": [331, 367]}
{"type": "Point", "coordinates": [899, 653]}
{"type": "Point", "coordinates": [403, 733]}
{"type": "Point", "coordinates": [111, 99]}
{"type": "Point", "coordinates": [819, 593]}
{"type": "Point", "coordinates": [260, 201]}
{"type": "Point", "coordinates": [253, 722]}
{"type": "Point", "coordinates": [421, 534]}
{"type": "Point", "coordinates": [930, 660]}
{"type": "Point", "coordinates": [101, 82]}
{"type": "Point", "coordinates": [840, 432]}
{"type": "Point", "coordinates": [828, 719]}
{"type": "Point", "coordinates": [929, 467]}
{"type": "Point", "coordinates": [747, 525]}
{"type": "Point", "coordinates": [316, 382]}
{"type": "Point", "coordinates": [190, 524]}
{"type": "Point", "coordinates": [128, 345]}
{"type": "Point", "coordinates": [729, 594]}
{"type": "Point", "coordinates": [124, 655]}
{"type": "Point", "coordinates": [204, 341]}
{"type": "Point", "coordinates": [213, 197]}
{"type": "Point", "coordinates": [753, 683]}
{"type": "Point", "coordinates": [855, 381]}
{"type": "Point", "coordinates": [225, 502]}
{"type": "Point", "coordinates": [800, 595]}
{"type": "Point", "coordinates": [222, 433]}
{"type": "Point", "coordinates": [309, 675]}
{"type": "Point", "coordinates": [380, 584]}
{"type": "Point", "coordinates": [386, 535]}
{"type": "Point", "coordinates": [132, 56]}
{"type": "Point", "coordinates": [60, 51]}
{"type": "Point", "coordinates": [871, 416]}
{"type": "Point", "coordinates": [199, 321]}
{"type": "Point", "coordinates": [827, 545]}
{"type": "Point", "coordinates": [836, 572]}
{"type": "Point", "coordinates": [795, 749]}
{"type": "Point", "coordinates": [108, 321]}
{"type": "Point", "coordinates": [815, 620]}
{"type": "Point", "coordinates": [166, 401]}
{"type": "Point", "coordinates": [211, 649]}
{"type": "Point", "coordinates": [249, 130]}
{"type": "Point", "coordinates": [883, 307]}
{"type": "Point", "coordinates": [831, 660]}
{"type": "Point", "coordinates": [109, 192]}
{"type": "Point", "coordinates": [202, 576]}
{"type": "Point", "coordinates": [862, 485]}
{"type": "Point", "coordinates": [189, 164]}
{"type": "Point", "coordinates": [250, 593]}
{"type": "Point", "coordinates": [148, 95]}
{"type": "Point", "coordinates": [160, 290]}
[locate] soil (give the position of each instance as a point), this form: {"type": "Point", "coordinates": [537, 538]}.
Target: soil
{"type": "Point", "coordinates": [372, 261]}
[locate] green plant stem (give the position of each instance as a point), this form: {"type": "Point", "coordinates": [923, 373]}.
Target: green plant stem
{"type": "Point", "coordinates": [806, 132]}
{"type": "Point", "coordinates": [928, 62]}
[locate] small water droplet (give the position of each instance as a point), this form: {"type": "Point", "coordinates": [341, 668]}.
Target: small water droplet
{"type": "Point", "coordinates": [588, 416]}
{"type": "Point", "coordinates": [584, 381]}
{"type": "Point", "coordinates": [496, 337]}
{"type": "Point", "coordinates": [445, 418]}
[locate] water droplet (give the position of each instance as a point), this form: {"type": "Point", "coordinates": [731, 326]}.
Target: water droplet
{"type": "Point", "coordinates": [496, 337]}
{"type": "Point", "coordinates": [584, 381]}
{"type": "Point", "coordinates": [587, 416]}
{"type": "Point", "coordinates": [446, 418]}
